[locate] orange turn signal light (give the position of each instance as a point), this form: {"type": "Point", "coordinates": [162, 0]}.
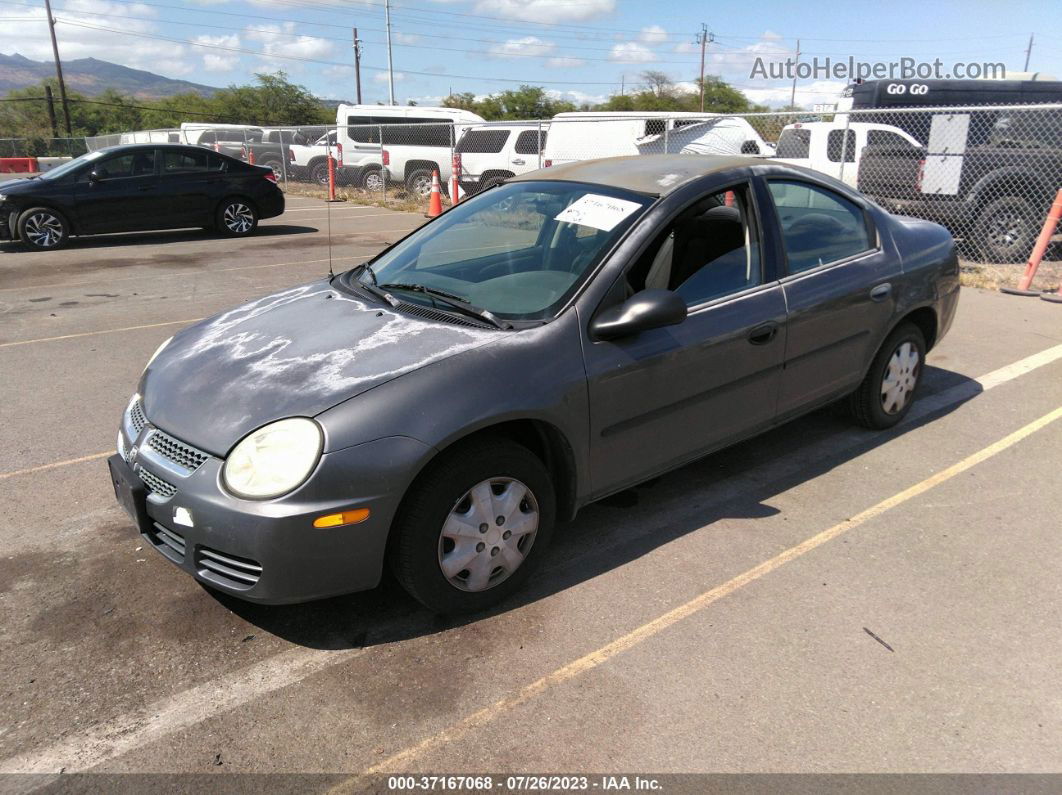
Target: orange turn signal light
{"type": "Point", "coordinates": [340, 519]}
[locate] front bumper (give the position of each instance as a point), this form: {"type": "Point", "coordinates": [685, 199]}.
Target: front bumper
{"type": "Point", "coordinates": [268, 551]}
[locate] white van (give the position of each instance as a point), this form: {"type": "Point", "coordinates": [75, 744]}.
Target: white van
{"type": "Point", "coordinates": [491, 153]}
{"type": "Point", "coordinates": [835, 147]}
{"type": "Point", "coordinates": [587, 135]}
{"type": "Point", "coordinates": [411, 141]}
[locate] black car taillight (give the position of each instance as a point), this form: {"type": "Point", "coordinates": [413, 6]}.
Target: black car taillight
{"type": "Point", "coordinates": [271, 176]}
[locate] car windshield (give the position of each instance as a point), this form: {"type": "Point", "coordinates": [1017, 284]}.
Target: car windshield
{"type": "Point", "coordinates": [519, 251]}
{"type": "Point", "coordinates": [73, 165]}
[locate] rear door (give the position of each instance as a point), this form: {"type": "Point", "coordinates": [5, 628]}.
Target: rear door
{"type": "Point", "coordinates": [839, 291]}
{"type": "Point", "coordinates": [124, 196]}
{"type": "Point", "coordinates": [526, 153]}
{"type": "Point", "coordinates": [190, 182]}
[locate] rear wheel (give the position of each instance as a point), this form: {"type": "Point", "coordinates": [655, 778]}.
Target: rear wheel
{"type": "Point", "coordinates": [276, 165]}
{"type": "Point", "coordinates": [1007, 228]}
{"type": "Point", "coordinates": [474, 527]}
{"type": "Point", "coordinates": [319, 172]}
{"type": "Point", "coordinates": [373, 180]}
{"type": "Point", "coordinates": [43, 229]}
{"type": "Point", "coordinates": [236, 218]}
{"type": "Point", "coordinates": [419, 183]}
{"type": "Point", "coordinates": [888, 390]}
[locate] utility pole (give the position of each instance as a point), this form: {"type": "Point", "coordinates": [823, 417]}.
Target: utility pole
{"type": "Point", "coordinates": [390, 70]}
{"type": "Point", "coordinates": [1028, 52]}
{"type": "Point", "coordinates": [623, 84]}
{"type": "Point", "coordinates": [51, 110]}
{"type": "Point", "coordinates": [703, 38]}
{"type": "Point", "coordinates": [792, 94]}
{"type": "Point", "coordinates": [58, 67]}
{"type": "Point", "coordinates": [357, 63]}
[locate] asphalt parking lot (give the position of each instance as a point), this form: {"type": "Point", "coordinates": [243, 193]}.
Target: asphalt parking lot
{"type": "Point", "coordinates": [820, 599]}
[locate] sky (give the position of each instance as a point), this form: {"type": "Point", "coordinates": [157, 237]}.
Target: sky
{"type": "Point", "coordinates": [580, 50]}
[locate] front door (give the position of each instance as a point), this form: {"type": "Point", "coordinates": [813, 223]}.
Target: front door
{"type": "Point", "coordinates": [122, 195]}
{"type": "Point", "coordinates": [668, 395]}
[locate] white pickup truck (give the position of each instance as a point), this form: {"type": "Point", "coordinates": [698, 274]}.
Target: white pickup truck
{"type": "Point", "coordinates": [834, 147]}
{"type": "Point", "coordinates": [361, 169]}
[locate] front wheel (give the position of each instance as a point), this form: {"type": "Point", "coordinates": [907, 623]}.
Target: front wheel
{"type": "Point", "coordinates": [373, 180]}
{"type": "Point", "coordinates": [319, 172]}
{"type": "Point", "coordinates": [474, 527]}
{"type": "Point", "coordinates": [888, 390]}
{"type": "Point", "coordinates": [236, 218]}
{"type": "Point", "coordinates": [43, 229]}
{"type": "Point", "coordinates": [419, 183]}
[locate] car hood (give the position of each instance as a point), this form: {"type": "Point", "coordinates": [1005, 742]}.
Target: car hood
{"type": "Point", "coordinates": [15, 185]}
{"type": "Point", "coordinates": [294, 353]}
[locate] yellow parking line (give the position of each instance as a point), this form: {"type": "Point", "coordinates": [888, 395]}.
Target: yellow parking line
{"type": "Point", "coordinates": [54, 464]}
{"type": "Point", "coordinates": [594, 659]}
{"type": "Point", "coordinates": [91, 333]}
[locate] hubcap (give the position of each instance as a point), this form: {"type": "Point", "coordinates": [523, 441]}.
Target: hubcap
{"type": "Point", "coordinates": [900, 378]}
{"type": "Point", "coordinates": [373, 181]}
{"type": "Point", "coordinates": [238, 217]}
{"type": "Point", "coordinates": [1005, 228]}
{"type": "Point", "coordinates": [488, 534]}
{"type": "Point", "coordinates": [422, 186]}
{"type": "Point", "coordinates": [44, 230]}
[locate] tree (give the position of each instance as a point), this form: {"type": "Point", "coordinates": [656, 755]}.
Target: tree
{"type": "Point", "coordinates": [525, 102]}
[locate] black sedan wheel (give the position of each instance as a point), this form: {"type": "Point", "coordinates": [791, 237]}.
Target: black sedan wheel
{"type": "Point", "coordinates": [474, 527]}
{"type": "Point", "coordinates": [236, 218]}
{"type": "Point", "coordinates": [43, 229]}
{"type": "Point", "coordinates": [888, 391]}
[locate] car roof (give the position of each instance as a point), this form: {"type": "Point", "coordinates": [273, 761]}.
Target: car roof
{"type": "Point", "coordinates": [656, 175]}
{"type": "Point", "coordinates": [159, 145]}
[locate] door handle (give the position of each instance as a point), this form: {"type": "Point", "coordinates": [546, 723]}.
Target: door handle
{"type": "Point", "coordinates": [881, 292]}
{"type": "Point", "coordinates": [763, 333]}
{"type": "Point", "coordinates": [518, 162]}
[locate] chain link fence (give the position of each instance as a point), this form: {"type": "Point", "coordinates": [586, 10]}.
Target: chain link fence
{"type": "Point", "coordinates": [988, 173]}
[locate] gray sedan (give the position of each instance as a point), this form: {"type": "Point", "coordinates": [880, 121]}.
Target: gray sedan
{"type": "Point", "coordinates": [547, 343]}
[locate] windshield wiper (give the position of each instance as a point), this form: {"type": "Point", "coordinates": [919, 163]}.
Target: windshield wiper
{"type": "Point", "coordinates": [456, 301]}
{"type": "Point", "coordinates": [373, 288]}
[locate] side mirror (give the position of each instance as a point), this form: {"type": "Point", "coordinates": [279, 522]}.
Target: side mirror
{"type": "Point", "coordinates": [94, 176]}
{"type": "Point", "coordinates": [750, 148]}
{"type": "Point", "coordinates": [643, 311]}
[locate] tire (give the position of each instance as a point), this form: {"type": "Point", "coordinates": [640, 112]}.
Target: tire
{"type": "Point", "coordinates": [442, 502]}
{"type": "Point", "coordinates": [419, 183]}
{"type": "Point", "coordinates": [319, 172]}
{"type": "Point", "coordinates": [43, 229]}
{"type": "Point", "coordinates": [888, 391]}
{"type": "Point", "coordinates": [236, 217]}
{"type": "Point", "coordinates": [372, 180]}
{"type": "Point", "coordinates": [276, 165]}
{"type": "Point", "coordinates": [1006, 229]}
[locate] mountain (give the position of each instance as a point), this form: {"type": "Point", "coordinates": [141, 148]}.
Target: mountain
{"type": "Point", "coordinates": [92, 76]}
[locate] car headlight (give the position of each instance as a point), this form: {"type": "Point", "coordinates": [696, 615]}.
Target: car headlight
{"type": "Point", "coordinates": [273, 460]}
{"type": "Point", "coordinates": [158, 350]}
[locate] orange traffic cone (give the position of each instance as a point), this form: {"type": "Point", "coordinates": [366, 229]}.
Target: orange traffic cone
{"type": "Point", "coordinates": [435, 205]}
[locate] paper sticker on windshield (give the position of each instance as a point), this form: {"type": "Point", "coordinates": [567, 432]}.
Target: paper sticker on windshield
{"type": "Point", "coordinates": [600, 212]}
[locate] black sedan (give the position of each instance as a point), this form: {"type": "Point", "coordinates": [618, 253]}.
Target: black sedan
{"type": "Point", "coordinates": [547, 343]}
{"type": "Point", "coordinates": [134, 188]}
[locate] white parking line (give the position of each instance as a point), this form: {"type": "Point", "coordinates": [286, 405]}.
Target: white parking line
{"type": "Point", "coordinates": [92, 333]}
{"type": "Point", "coordinates": [110, 739]}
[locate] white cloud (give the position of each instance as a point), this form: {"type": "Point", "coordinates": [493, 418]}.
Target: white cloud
{"type": "Point", "coordinates": [281, 40]}
{"type": "Point", "coordinates": [577, 97]}
{"type": "Point", "coordinates": [219, 60]}
{"type": "Point", "coordinates": [551, 11]}
{"type": "Point", "coordinates": [631, 52]}
{"type": "Point", "coordinates": [564, 62]}
{"type": "Point", "coordinates": [820, 91]}
{"type": "Point", "coordinates": [686, 46]}
{"type": "Point", "coordinates": [522, 47]}
{"type": "Point", "coordinates": [406, 38]}
{"type": "Point", "coordinates": [381, 77]}
{"type": "Point", "coordinates": [654, 34]}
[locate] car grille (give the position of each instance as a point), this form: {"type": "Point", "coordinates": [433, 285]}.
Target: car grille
{"type": "Point", "coordinates": [181, 454]}
{"type": "Point", "coordinates": [231, 570]}
{"type": "Point", "coordinates": [169, 542]}
{"type": "Point", "coordinates": [137, 418]}
{"type": "Point", "coordinates": [156, 484]}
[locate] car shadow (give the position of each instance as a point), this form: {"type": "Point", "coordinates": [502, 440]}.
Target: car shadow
{"type": "Point", "coordinates": [655, 513]}
{"type": "Point", "coordinates": [158, 237]}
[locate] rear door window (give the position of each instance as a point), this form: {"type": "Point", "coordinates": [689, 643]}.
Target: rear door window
{"type": "Point", "coordinates": [841, 145]}
{"type": "Point", "coordinates": [530, 142]}
{"type": "Point", "coordinates": [189, 162]}
{"type": "Point", "coordinates": [794, 144]}
{"type": "Point", "coordinates": [483, 141]}
{"type": "Point", "coordinates": [818, 226]}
